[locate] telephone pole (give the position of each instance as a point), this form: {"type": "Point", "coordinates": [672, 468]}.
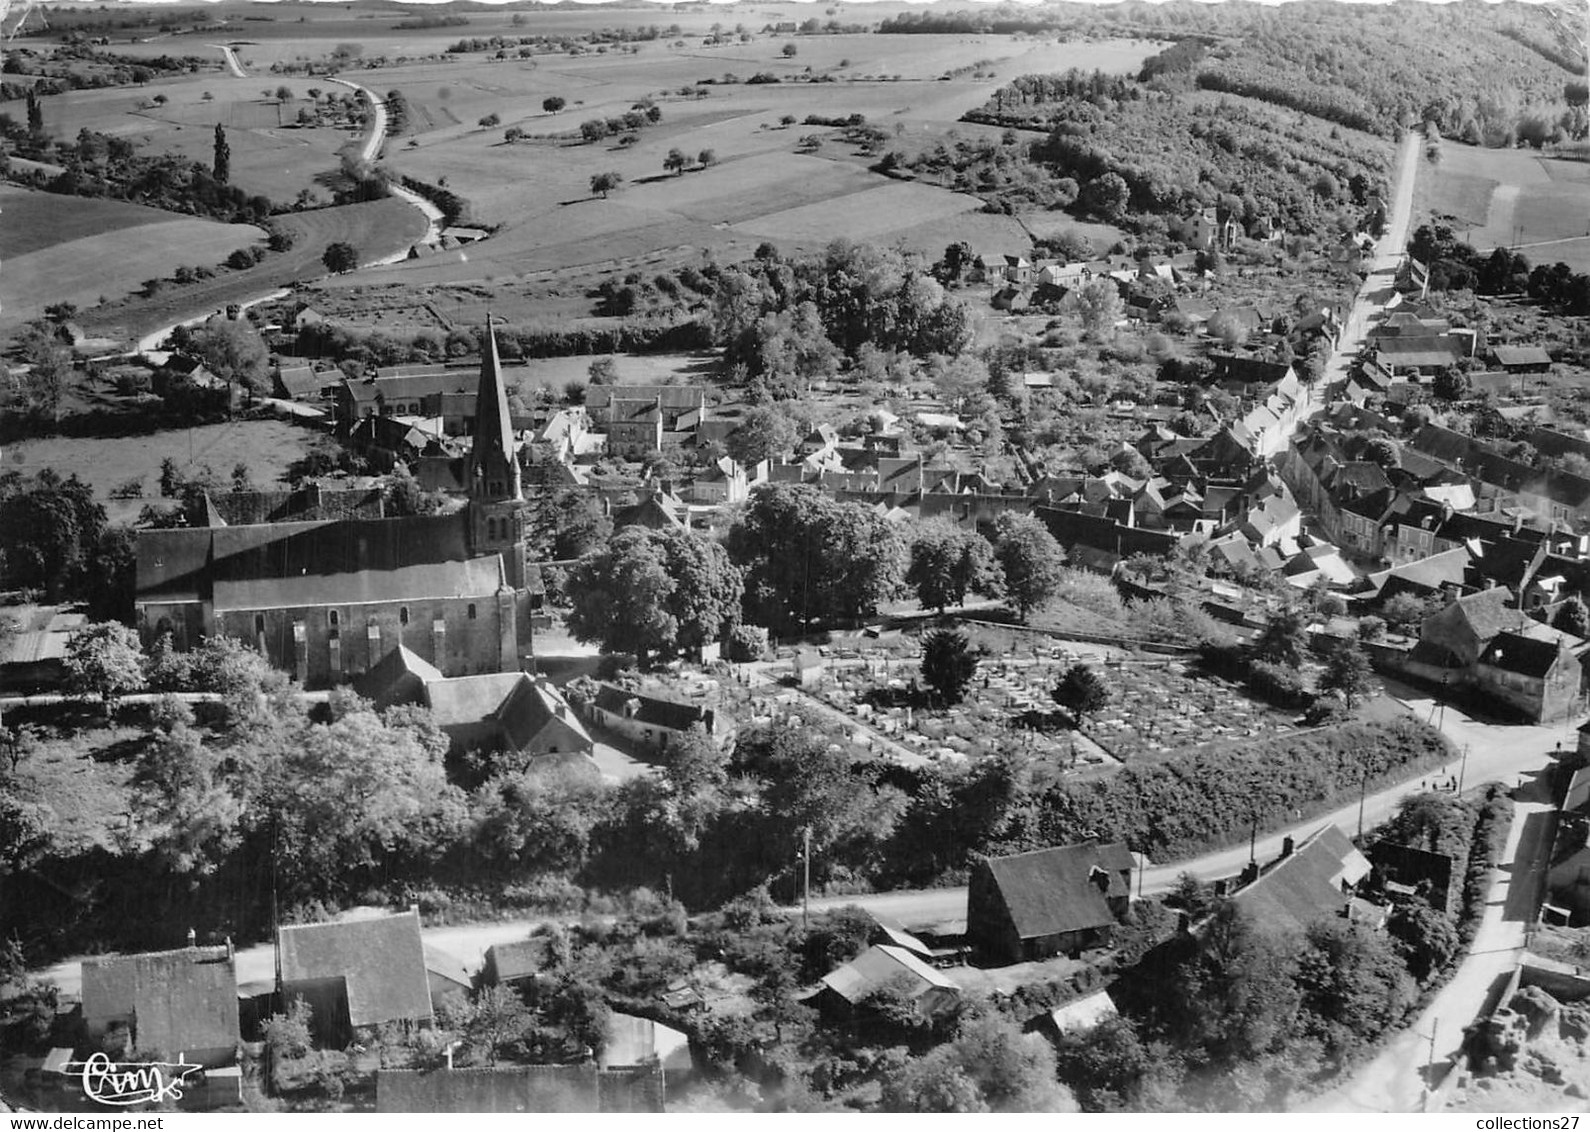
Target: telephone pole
{"type": "Point", "coordinates": [806, 868]}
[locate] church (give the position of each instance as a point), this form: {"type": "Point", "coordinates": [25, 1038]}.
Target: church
{"type": "Point", "coordinates": [325, 587]}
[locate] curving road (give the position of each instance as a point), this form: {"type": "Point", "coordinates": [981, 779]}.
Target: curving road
{"type": "Point", "coordinates": [370, 150]}
{"type": "Point", "coordinates": [1497, 753]}
{"type": "Point", "coordinates": [232, 62]}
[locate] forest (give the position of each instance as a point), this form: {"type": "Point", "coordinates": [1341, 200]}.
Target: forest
{"type": "Point", "coordinates": [1369, 67]}
{"type": "Point", "coordinates": [1180, 152]}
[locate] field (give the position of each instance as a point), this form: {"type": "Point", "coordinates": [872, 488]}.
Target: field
{"type": "Point", "coordinates": [374, 229]}
{"type": "Point", "coordinates": [266, 446]}
{"type": "Point", "coordinates": [554, 240]}
{"type": "Point", "coordinates": [760, 189]}
{"type": "Point", "coordinates": [1502, 197]}
{"type": "Point", "coordinates": [67, 249]}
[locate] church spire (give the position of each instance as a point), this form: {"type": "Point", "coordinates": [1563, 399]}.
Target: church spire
{"type": "Point", "coordinates": [493, 467]}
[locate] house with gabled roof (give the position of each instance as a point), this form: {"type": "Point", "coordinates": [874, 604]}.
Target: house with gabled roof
{"type": "Point", "coordinates": [356, 974]}
{"type": "Point", "coordinates": [171, 1002]}
{"type": "Point", "coordinates": [1312, 881]}
{"type": "Point", "coordinates": [516, 962]}
{"type": "Point", "coordinates": [1047, 902]}
{"type": "Point", "coordinates": [1540, 679]}
{"type": "Point", "coordinates": [1459, 633]}
{"type": "Point", "coordinates": [654, 721]}
{"type": "Point", "coordinates": [843, 992]}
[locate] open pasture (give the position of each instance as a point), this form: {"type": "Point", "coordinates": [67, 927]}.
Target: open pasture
{"type": "Point", "coordinates": [268, 447]}
{"type": "Point", "coordinates": [375, 229]}
{"type": "Point", "coordinates": [1511, 197]}
{"type": "Point", "coordinates": [96, 248]}
{"type": "Point", "coordinates": [538, 194]}
{"type": "Point", "coordinates": [270, 154]}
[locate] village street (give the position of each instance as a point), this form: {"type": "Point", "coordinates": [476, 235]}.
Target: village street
{"type": "Point", "coordinates": [1497, 753]}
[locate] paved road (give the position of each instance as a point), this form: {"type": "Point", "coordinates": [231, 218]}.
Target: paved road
{"type": "Point", "coordinates": [369, 151]}
{"type": "Point", "coordinates": [231, 60]}
{"type": "Point", "coordinates": [1395, 1081]}
{"type": "Point", "coordinates": [1496, 754]}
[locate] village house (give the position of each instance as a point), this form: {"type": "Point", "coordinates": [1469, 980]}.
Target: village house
{"type": "Point", "coordinates": [503, 712]}
{"type": "Point", "coordinates": [1047, 902]}
{"type": "Point", "coordinates": [843, 992]}
{"type": "Point", "coordinates": [356, 974]}
{"type": "Point", "coordinates": [1307, 882]}
{"type": "Point", "coordinates": [169, 1002]}
{"type": "Point", "coordinates": [654, 721]}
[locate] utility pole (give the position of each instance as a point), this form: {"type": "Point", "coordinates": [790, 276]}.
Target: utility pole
{"type": "Point", "coordinates": [1363, 791]}
{"type": "Point", "coordinates": [1463, 767]}
{"type": "Point", "coordinates": [1429, 1077]}
{"type": "Point", "coordinates": [806, 868]}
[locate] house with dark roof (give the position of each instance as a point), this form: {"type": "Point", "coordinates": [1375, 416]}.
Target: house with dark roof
{"type": "Point", "coordinates": [508, 963]}
{"type": "Point", "coordinates": [1540, 679]}
{"type": "Point", "coordinates": [1459, 633]}
{"type": "Point", "coordinates": [653, 721]}
{"type": "Point", "coordinates": [1047, 902]}
{"type": "Point", "coordinates": [843, 992]}
{"type": "Point", "coordinates": [1308, 882]}
{"type": "Point", "coordinates": [505, 712]}
{"type": "Point", "coordinates": [1522, 359]}
{"type": "Point", "coordinates": [170, 1002]}
{"type": "Point", "coordinates": [357, 973]}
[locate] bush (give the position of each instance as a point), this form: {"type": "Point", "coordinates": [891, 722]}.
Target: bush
{"type": "Point", "coordinates": [1277, 685]}
{"type": "Point", "coordinates": [747, 643]}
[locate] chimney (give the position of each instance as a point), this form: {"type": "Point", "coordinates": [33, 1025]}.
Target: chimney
{"type": "Point", "coordinates": [1222, 887]}
{"type": "Point", "coordinates": [1287, 845]}
{"type": "Point", "coordinates": [1250, 873]}
{"type": "Point", "coordinates": [193, 938]}
{"type": "Point", "coordinates": [231, 952]}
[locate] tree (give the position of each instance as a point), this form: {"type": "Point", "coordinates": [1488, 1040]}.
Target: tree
{"type": "Point", "coordinates": [1081, 691]}
{"type": "Point", "coordinates": [497, 1018]}
{"type": "Point", "coordinates": [765, 431]}
{"type": "Point", "coordinates": [183, 793]}
{"type": "Point", "coordinates": [1403, 612]}
{"type": "Point", "coordinates": [1572, 617]}
{"type": "Point", "coordinates": [991, 1066]}
{"type": "Point", "coordinates": [948, 562]}
{"type": "Point", "coordinates": [1347, 672]}
{"type": "Point", "coordinates": [1354, 985]}
{"type": "Point", "coordinates": [284, 93]}
{"type": "Point", "coordinates": [1450, 384]}
{"type": "Point", "coordinates": [676, 161]}
{"type": "Point", "coordinates": [307, 772]}
{"type": "Point", "coordinates": [1031, 560]}
{"type": "Point", "coordinates": [948, 664]}
{"type": "Point", "coordinates": [654, 592]}
{"type": "Point", "coordinates": [707, 157]}
{"type": "Point", "coordinates": [223, 156]}
{"type": "Point", "coordinates": [1105, 196]}
{"type": "Point", "coordinates": [593, 129]}
{"type": "Point", "coordinates": [1283, 638]}
{"type": "Point", "coordinates": [104, 660]}
{"type": "Point", "coordinates": [553, 104]}
{"type": "Point", "coordinates": [1383, 452]}
{"type": "Point", "coordinates": [1098, 304]}
{"type": "Point", "coordinates": [603, 371]}
{"type": "Point", "coordinates": [340, 258]}
{"type": "Point", "coordinates": [809, 557]}
{"type": "Point", "coordinates": [789, 51]}
{"type": "Point", "coordinates": [512, 134]}
{"type": "Point", "coordinates": [1428, 937]}
{"type": "Point", "coordinates": [605, 183]}
{"type": "Point", "coordinates": [51, 530]}
{"type": "Point", "coordinates": [234, 351]}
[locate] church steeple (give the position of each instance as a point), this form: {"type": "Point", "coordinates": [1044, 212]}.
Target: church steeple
{"type": "Point", "coordinates": [493, 467]}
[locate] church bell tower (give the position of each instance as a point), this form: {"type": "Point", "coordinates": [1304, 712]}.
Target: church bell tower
{"type": "Point", "coordinates": [496, 520]}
